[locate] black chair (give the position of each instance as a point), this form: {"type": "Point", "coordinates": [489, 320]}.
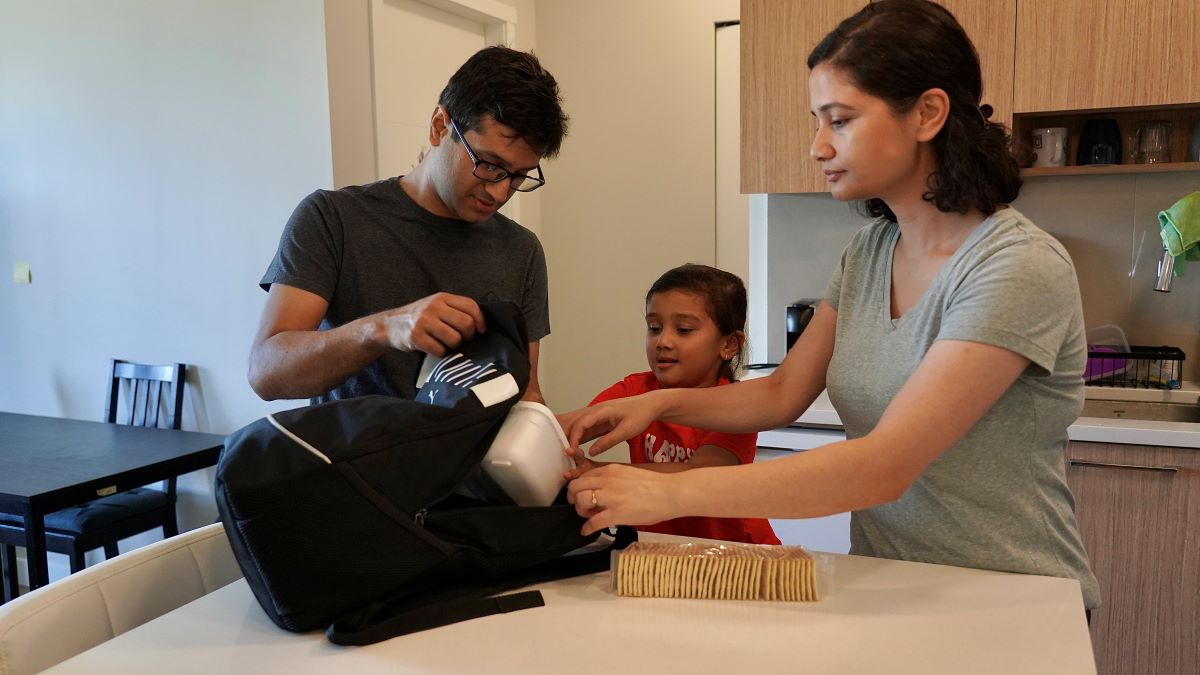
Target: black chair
{"type": "Point", "coordinates": [105, 521]}
{"type": "Point", "coordinates": [8, 574]}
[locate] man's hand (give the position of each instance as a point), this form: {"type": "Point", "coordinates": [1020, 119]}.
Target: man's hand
{"type": "Point", "coordinates": [434, 324]}
{"type": "Point", "coordinates": [290, 358]}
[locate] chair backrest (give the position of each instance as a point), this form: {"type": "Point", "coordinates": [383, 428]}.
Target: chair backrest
{"type": "Point", "coordinates": [146, 387]}
{"type": "Point", "coordinates": [57, 621]}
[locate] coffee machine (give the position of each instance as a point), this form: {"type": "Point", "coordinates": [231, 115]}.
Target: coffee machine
{"type": "Point", "coordinates": [799, 313]}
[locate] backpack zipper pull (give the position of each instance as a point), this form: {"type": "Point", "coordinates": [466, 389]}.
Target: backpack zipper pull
{"type": "Point", "coordinates": [419, 517]}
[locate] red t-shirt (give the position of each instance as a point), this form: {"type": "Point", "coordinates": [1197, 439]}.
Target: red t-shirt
{"type": "Point", "coordinates": [664, 442]}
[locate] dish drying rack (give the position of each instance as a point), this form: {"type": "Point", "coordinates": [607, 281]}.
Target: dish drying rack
{"type": "Point", "coordinates": [1138, 367]}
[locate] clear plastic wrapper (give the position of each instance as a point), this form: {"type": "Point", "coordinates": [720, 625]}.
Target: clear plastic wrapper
{"type": "Point", "coordinates": [726, 571]}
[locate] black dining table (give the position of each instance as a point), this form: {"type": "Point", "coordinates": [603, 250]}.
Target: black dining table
{"type": "Point", "coordinates": [51, 463]}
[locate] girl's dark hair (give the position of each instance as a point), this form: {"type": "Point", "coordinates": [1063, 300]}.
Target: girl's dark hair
{"type": "Point", "coordinates": [724, 295]}
{"type": "Point", "coordinates": [897, 50]}
{"type": "Point", "coordinates": [515, 90]}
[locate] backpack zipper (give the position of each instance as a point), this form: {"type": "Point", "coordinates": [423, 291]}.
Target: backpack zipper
{"type": "Point", "coordinates": [419, 517]}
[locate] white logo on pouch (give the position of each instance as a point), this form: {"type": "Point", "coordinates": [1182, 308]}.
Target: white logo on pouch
{"type": "Point", "coordinates": [489, 385]}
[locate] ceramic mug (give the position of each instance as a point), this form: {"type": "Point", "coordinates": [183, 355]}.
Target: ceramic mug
{"type": "Point", "coordinates": [1050, 146]}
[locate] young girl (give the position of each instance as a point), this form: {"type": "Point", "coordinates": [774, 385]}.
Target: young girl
{"type": "Point", "coordinates": [950, 337]}
{"type": "Point", "coordinates": [695, 320]}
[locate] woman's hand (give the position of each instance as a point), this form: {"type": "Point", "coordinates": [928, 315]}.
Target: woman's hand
{"type": "Point", "coordinates": [609, 423]}
{"type": "Point", "coordinates": [618, 494]}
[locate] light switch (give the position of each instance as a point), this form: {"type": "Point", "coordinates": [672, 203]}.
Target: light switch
{"type": "Point", "coordinates": [21, 273]}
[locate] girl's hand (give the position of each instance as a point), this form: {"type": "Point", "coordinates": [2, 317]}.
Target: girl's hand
{"type": "Point", "coordinates": [618, 494]}
{"type": "Point", "coordinates": [582, 464]}
{"type": "Point", "coordinates": [609, 423]}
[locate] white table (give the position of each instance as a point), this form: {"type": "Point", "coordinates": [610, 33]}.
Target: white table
{"type": "Point", "coordinates": [884, 616]}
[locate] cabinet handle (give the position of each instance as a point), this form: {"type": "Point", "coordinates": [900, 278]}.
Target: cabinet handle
{"type": "Point", "coordinates": [1107, 465]}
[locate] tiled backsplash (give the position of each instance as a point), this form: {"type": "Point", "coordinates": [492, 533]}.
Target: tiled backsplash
{"type": "Point", "coordinates": [1108, 224]}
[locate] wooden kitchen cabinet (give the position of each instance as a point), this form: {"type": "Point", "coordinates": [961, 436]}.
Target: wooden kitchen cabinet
{"type": "Point", "coordinates": [777, 127]}
{"type": "Point", "coordinates": [1138, 509]}
{"type": "Point", "coordinates": [992, 26]}
{"type": "Point", "coordinates": [1090, 54]}
{"type": "Point", "coordinates": [777, 36]}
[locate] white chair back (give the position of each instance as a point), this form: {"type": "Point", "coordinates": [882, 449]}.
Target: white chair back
{"type": "Point", "coordinates": [69, 616]}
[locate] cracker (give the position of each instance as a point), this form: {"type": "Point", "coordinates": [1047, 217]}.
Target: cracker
{"type": "Point", "coordinates": [725, 571]}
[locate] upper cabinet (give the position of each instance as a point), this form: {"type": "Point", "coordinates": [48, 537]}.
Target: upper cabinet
{"type": "Point", "coordinates": [1094, 54]}
{"type": "Point", "coordinates": [777, 35]}
{"type": "Point", "coordinates": [1045, 63]}
{"type": "Point", "coordinates": [991, 25]}
{"type": "Point", "coordinates": [777, 127]}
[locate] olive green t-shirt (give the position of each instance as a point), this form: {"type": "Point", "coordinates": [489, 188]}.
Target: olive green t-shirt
{"type": "Point", "coordinates": [998, 499]}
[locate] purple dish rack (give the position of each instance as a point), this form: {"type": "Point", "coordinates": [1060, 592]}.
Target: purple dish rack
{"type": "Point", "coordinates": [1140, 367]}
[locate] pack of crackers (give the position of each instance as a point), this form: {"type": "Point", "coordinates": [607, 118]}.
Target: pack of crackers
{"type": "Point", "coordinates": [716, 571]}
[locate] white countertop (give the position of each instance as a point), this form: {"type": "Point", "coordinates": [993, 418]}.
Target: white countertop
{"type": "Point", "coordinates": [1101, 430]}
{"type": "Point", "coordinates": [1136, 432]}
{"type": "Point", "coordinates": [883, 616]}
{"type": "Point", "coordinates": [1139, 432]}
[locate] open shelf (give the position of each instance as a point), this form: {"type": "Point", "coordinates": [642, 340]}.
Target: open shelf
{"type": "Point", "coordinates": [1107, 169]}
{"type": "Point", "coordinates": [1181, 118]}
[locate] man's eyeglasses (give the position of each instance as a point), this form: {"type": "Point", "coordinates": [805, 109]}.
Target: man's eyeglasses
{"type": "Point", "coordinates": [490, 173]}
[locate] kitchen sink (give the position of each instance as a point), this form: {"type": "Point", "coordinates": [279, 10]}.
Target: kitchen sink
{"type": "Point", "coordinates": [1141, 410]}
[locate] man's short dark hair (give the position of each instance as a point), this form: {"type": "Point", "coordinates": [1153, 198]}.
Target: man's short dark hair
{"type": "Point", "coordinates": [515, 90]}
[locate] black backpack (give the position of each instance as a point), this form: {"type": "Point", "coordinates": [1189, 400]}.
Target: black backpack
{"type": "Point", "coordinates": [373, 518]}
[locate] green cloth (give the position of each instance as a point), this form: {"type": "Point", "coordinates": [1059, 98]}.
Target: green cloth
{"type": "Point", "coordinates": [1179, 227]}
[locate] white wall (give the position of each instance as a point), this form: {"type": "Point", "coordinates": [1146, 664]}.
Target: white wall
{"type": "Point", "coordinates": [150, 153]}
{"type": "Point", "coordinates": [632, 194]}
{"type": "Point", "coordinates": [801, 237]}
{"type": "Point", "coordinates": [153, 152]}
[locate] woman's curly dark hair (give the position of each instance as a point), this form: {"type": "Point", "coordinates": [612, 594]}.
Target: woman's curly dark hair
{"type": "Point", "coordinates": [897, 50]}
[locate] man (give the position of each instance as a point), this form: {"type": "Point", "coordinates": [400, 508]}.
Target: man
{"type": "Point", "coordinates": [368, 279]}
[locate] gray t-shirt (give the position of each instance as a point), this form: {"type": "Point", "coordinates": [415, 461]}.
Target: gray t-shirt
{"type": "Point", "coordinates": [370, 248]}
{"type": "Point", "coordinates": [998, 499]}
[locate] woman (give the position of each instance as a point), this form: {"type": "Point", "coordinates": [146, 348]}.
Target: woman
{"type": "Point", "coordinates": [950, 338]}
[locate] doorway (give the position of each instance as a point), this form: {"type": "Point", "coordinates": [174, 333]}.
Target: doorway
{"type": "Point", "coordinates": [388, 62]}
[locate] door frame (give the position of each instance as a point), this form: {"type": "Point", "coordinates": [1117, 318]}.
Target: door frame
{"type": "Point", "coordinates": [350, 80]}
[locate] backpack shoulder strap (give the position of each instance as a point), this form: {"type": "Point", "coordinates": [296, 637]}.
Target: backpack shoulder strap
{"type": "Point", "coordinates": [380, 621]}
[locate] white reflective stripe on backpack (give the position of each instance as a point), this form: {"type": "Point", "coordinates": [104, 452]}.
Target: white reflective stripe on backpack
{"type": "Point", "coordinates": [303, 443]}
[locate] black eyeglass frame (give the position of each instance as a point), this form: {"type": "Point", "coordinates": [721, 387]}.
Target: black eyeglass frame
{"type": "Point", "coordinates": [505, 174]}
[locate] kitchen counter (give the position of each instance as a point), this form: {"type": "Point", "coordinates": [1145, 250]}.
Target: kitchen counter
{"type": "Point", "coordinates": [1136, 432]}
{"type": "Point", "coordinates": [883, 616]}
{"type": "Point", "coordinates": [1139, 432]}
{"type": "Point", "coordinates": [821, 416]}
